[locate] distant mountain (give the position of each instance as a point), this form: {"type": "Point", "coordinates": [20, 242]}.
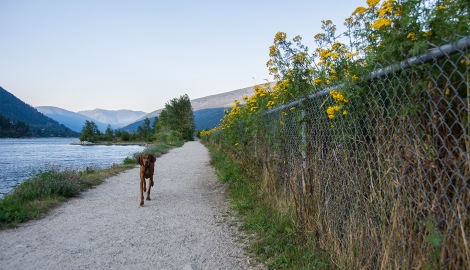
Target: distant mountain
{"type": "Point", "coordinates": [72, 120]}
{"type": "Point", "coordinates": [40, 125]}
{"type": "Point", "coordinates": [207, 110]}
{"type": "Point", "coordinates": [223, 100]}
{"type": "Point", "coordinates": [116, 119]}
{"type": "Point", "coordinates": [203, 119]}
{"type": "Point", "coordinates": [208, 118]}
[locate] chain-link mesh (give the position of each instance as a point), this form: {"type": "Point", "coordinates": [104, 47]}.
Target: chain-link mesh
{"type": "Point", "coordinates": [384, 185]}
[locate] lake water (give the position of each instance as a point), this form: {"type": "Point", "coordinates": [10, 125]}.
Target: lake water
{"type": "Point", "coordinates": [21, 158]}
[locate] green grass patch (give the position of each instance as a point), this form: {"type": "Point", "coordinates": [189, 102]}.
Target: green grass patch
{"type": "Point", "coordinates": [279, 244]}
{"type": "Point", "coordinates": [47, 189]}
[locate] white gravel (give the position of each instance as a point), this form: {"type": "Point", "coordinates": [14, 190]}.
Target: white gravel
{"type": "Point", "coordinates": [186, 225]}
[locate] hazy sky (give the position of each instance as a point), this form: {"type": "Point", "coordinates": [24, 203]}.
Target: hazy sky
{"type": "Point", "coordinates": [137, 55]}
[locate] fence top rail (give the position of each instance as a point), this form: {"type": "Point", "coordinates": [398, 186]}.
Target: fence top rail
{"type": "Point", "coordinates": [432, 55]}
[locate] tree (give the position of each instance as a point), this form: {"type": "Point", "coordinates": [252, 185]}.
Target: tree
{"type": "Point", "coordinates": [109, 133]}
{"type": "Point", "coordinates": [155, 124]}
{"type": "Point", "coordinates": [90, 132]}
{"type": "Point", "coordinates": [178, 115]}
{"type": "Point", "coordinates": [144, 130]}
{"type": "Point", "coordinates": [125, 136]}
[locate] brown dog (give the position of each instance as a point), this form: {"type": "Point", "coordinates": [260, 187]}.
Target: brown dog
{"type": "Point", "coordinates": [147, 166]}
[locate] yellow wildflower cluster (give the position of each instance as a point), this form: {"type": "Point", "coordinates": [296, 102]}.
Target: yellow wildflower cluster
{"type": "Point", "coordinates": [331, 111]}
{"type": "Point", "coordinates": [411, 36]}
{"type": "Point", "coordinates": [351, 55]}
{"type": "Point", "coordinates": [205, 133]}
{"type": "Point", "coordinates": [386, 8]}
{"type": "Point", "coordinates": [271, 104]}
{"type": "Point", "coordinates": [372, 3]}
{"type": "Point", "coordinates": [338, 96]}
{"type": "Point", "coordinates": [280, 36]}
{"type": "Point", "coordinates": [359, 11]}
{"type": "Point", "coordinates": [384, 13]}
{"type": "Point", "coordinates": [382, 22]}
{"type": "Point", "coordinates": [273, 51]}
{"type": "Point", "coordinates": [300, 57]}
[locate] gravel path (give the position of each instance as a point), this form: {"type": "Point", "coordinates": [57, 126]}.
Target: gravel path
{"type": "Point", "coordinates": [186, 225]}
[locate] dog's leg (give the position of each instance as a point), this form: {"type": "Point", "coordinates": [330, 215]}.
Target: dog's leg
{"type": "Point", "coordinates": [150, 186]}
{"type": "Point", "coordinates": [142, 183]}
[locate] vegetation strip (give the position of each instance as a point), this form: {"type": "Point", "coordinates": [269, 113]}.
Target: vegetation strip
{"type": "Point", "coordinates": [277, 240]}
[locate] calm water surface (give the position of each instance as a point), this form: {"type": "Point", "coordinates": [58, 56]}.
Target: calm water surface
{"type": "Point", "coordinates": [21, 158]}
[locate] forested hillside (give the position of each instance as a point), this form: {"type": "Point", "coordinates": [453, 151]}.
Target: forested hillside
{"type": "Point", "coordinates": [40, 125]}
{"type": "Point", "coordinates": [13, 129]}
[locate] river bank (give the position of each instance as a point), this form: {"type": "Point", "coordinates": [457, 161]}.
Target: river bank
{"type": "Point", "coordinates": [22, 158]}
{"type": "Point", "coordinates": [110, 143]}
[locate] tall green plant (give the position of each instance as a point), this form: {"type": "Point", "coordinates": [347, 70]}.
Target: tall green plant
{"type": "Point", "coordinates": [178, 115]}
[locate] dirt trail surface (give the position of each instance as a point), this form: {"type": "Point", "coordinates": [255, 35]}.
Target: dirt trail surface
{"type": "Point", "coordinates": [184, 226]}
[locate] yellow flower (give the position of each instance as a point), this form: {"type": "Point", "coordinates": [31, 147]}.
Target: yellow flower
{"type": "Point", "coordinates": [387, 8]}
{"type": "Point", "coordinates": [236, 144]}
{"type": "Point", "coordinates": [351, 55]}
{"type": "Point", "coordinates": [273, 51]}
{"type": "Point", "coordinates": [382, 22]}
{"type": "Point", "coordinates": [245, 97]}
{"type": "Point", "coordinates": [292, 109]}
{"type": "Point", "coordinates": [336, 45]}
{"type": "Point", "coordinates": [372, 3]}
{"type": "Point", "coordinates": [411, 36]}
{"type": "Point", "coordinates": [282, 122]}
{"type": "Point", "coordinates": [428, 33]}
{"type": "Point", "coordinates": [325, 54]}
{"type": "Point", "coordinates": [355, 78]}
{"type": "Point", "coordinates": [280, 36]}
{"type": "Point", "coordinates": [338, 97]}
{"type": "Point", "coordinates": [359, 11]}
{"type": "Point", "coordinates": [284, 114]}
{"type": "Point", "coordinates": [345, 112]}
{"type": "Point", "coordinates": [440, 7]}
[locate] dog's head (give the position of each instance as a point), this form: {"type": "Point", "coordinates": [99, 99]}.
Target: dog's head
{"type": "Point", "coordinates": [146, 159]}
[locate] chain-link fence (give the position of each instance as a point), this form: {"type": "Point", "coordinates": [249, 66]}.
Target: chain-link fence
{"type": "Point", "coordinates": [384, 185]}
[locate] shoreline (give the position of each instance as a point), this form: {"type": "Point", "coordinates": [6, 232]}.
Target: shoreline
{"type": "Point", "coordinates": [87, 143]}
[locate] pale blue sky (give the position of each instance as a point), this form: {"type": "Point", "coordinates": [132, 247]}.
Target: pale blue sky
{"type": "Point", "coordinates": [137, 55]}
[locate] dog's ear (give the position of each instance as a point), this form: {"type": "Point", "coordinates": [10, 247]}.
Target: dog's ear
{"type": "Point", "coordinates": [139, 160]}
{"type": "Point", "coordinates": [153, 158]}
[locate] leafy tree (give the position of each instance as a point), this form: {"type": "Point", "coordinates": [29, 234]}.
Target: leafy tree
{"type": "Point", "coordinates": [125, 136]}
{"type": "Point", "coordinates": [108, 134]}
{"type": "Point", "coordinates": [178, 115]}
{"type": "Point", "coordinates": [90, 132]}
{"type": "Point", "coordinates": [144, 130]}
{"type": "Point", "coordinates": [155, 124]}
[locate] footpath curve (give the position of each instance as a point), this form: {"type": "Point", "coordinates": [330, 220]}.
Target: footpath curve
{"type": "Point", "coordinates": [184, 226]}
